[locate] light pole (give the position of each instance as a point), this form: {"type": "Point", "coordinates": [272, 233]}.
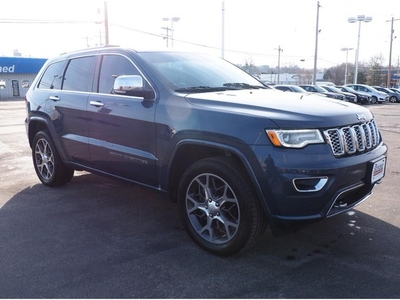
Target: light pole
{"type": "Point", "coordinates": [279, 60]}
{"type": "Point", "coordinates": [173, 20]}
{"type": "Point", "coordinates": [359, 19]}
{"type": "Point", "coordinates": [317, 31]}
{"type": "Point", "coordinates": [347, 56]}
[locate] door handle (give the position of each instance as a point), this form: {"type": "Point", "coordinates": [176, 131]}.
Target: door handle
{"type": "Point", "coordinates": [96, 103]}
{"type": "Point", "coordinates": [54, 98]}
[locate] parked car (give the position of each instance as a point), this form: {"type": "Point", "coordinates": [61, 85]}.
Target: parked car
{"type": "Point", "coordinates": [393, 96]}
{"type": "Point", "coordinates": [376, 96]}
{"type": "Point", "coordinates": [362, 97]}
{"type": "Point", "coordinates": [396, 90]}
{"type": "Point", "coordinates": [267, 83]}
{"type": "Point", "coordinates": [290, 88]}
{"type": "Point", "coordinates": [233, 154]}
{"type": "Point", "coordinates": [324, 83]}
{"type": "Point", "coordinates": [348, 96]}
{"type": "Point", "coordinates": [319, 89]}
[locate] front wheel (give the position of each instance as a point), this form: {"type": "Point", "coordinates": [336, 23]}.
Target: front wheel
{"type": "Point", "coordinates": [218, 208]}
{"type": "Point", "coordinates": [48, 164]}
{"type": "Point", "coordinates": [374, 100]}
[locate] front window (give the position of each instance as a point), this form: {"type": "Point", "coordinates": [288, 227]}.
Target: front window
{"type": "Point", "coordinates": [113, 66]}
{"type": "Point", "coordinates": [188, 72]}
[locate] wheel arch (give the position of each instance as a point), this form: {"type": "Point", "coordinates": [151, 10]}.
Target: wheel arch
{"type": "Point", "coordinates": [187, 152]}
{"type": "Point", "coordinates": [36, 124]}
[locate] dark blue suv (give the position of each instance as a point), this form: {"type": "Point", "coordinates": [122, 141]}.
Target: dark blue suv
{"type": "Point", "coordinates": [234, 154]}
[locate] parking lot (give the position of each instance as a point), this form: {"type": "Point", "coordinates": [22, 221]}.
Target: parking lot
{"type": "Point", "coordinates": [100, 238]}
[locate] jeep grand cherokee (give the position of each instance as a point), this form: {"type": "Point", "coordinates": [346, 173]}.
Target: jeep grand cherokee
{"type": "Point", "coordinates": [234, 154]}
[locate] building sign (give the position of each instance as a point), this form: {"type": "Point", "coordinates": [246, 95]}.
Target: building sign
{"type": "Point", "coordinates": [21, 65]}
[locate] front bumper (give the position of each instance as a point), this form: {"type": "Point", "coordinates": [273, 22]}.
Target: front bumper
{"type": "Point", "coordinates": [310, 184]}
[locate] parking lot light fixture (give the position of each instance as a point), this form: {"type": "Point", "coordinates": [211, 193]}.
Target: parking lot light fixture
{"type": "Point", "coordinates": [359, 19]}
{"type": "Point", "coordinates": [345, 71]}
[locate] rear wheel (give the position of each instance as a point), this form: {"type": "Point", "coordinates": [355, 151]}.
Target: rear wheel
{"type": "Point", "coordinates": [393, 99]}
{"type": "Point", "coordinates": [48, 164]}
{"type": "Point", "coordinates": [218, 207]}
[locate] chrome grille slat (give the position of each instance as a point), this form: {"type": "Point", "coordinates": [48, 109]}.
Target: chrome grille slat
{"type": "Point", "coordinates": [351, 139]}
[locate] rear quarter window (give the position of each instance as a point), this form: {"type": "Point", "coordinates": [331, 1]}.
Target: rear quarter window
{"type": "Point", "coordinates": [52, 76]}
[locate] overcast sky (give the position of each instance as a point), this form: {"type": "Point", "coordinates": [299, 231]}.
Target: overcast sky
{"type": "Point", "coordinates": [253, 29]}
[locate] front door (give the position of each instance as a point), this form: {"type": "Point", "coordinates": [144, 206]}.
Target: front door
{"type": "Point", "coordinates": [122, 130]}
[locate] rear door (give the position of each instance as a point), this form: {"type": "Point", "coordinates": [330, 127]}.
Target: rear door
{"type": "Point", "coordinates": [71, 105]}
{"type": "Point", "coordinates": [122, 129]}
{"type": "Point", "coordinates": [65, 93]}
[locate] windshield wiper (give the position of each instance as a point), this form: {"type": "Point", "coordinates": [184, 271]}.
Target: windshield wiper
{"type": "Point", "coordinates": [242, 85]}
{"type": "Point", "coordinates": [201, 89]}
{"type": "Point", "coordinates": [224, 87]}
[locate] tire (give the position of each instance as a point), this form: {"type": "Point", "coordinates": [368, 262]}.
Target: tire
{"type": "Point", "coordinates": [393, 99]}
{"type": "Point", "coordinates": [374, 100]}
{"type": "Point", "coordinates": [218, 208]}
{"type": "Point", "coordinates": [48, 164]}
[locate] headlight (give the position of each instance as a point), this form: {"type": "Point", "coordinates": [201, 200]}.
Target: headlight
{"type": "Point", "coordinates": [295, 138]}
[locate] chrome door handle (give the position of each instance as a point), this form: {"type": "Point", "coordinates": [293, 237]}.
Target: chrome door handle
{"type": "Point", "coordinates": [54, 98]}
{"type": "Point", "coordinates": [96, 103]}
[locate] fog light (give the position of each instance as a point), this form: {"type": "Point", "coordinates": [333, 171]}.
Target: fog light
{"type": "Point", "coordinates": [310, 184]}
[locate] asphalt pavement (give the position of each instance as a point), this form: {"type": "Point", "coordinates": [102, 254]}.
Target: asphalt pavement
{"type": "Point", "coordinates": [100, 238]}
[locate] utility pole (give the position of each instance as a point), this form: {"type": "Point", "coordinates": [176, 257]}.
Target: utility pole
{"type": "Point", "coordinates": [223, 31]}
{"type": "Point", "coordinates": [316, 44]}
{"type": "Point", "coordinates": [388, 81]}
{"type": "Point", "coordinates": [106, 23]}
{"type": "Point", "coordinates": [167, 35]}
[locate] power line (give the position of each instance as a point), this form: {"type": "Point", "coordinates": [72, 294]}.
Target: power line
{"type": "Point", "coordinates": [249, 53]}
{"type": "Point", "coordinates": [27, 21]}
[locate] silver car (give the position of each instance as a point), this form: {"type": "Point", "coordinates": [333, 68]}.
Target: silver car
{"type": "Point", "coordinates": [376, 96]}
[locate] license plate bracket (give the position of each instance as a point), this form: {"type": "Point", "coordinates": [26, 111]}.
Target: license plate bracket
{"type": "Point", "coordinates": [376, 170]}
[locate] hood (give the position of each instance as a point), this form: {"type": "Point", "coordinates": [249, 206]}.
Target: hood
{"type": "Point", "coordinates": [286, 110]}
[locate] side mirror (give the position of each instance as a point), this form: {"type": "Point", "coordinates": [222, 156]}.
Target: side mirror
{"type": "Point", "coordinates": [132, 85]}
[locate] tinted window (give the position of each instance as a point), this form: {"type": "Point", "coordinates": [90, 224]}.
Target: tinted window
{"type": "Point", "coordinates": [52, 76]}
{"type": "Point", "coordinates": [78, 76]}
{"type": "Point", "coordinates": [113, 66]}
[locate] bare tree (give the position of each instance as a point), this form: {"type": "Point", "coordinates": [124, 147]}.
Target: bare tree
{"type": "Point", "coordinates": [376, 72]}
{"type": "Point", "coordinates": [336, 74]}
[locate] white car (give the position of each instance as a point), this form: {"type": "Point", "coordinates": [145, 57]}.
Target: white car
{"type": "Point", "coordinates": [376, 96]}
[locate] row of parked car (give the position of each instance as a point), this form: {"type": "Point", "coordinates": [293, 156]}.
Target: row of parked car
{"type": "Point", "coordinates": [356, 93]}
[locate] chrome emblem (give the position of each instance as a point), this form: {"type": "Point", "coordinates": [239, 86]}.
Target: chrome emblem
{"type": "Point", "coordinates": [361, 117]}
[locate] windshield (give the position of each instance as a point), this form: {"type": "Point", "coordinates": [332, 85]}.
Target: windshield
{"type": "Point", "coordinates": [349, 89]}
{"type": "Point", "coordinates": [194, 73]}
{"type": "Point", "coordinates": [298, 89]}
{"type": "Point", "coordinates": [320, 89]}
{"type": "Point", "coordinates": [332, 89]}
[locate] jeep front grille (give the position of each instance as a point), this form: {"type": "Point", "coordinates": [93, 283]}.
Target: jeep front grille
{"type": "Point", "coordinates": [352, 139]}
